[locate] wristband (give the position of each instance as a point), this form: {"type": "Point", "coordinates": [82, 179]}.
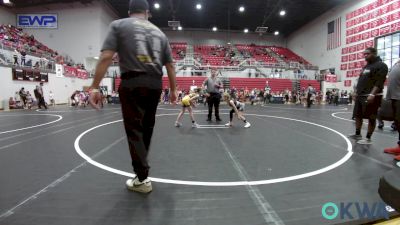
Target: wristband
{"type": "Point", "coordinates": [371, 95]}
{"type": "Point", "coordinates": [95, 90]}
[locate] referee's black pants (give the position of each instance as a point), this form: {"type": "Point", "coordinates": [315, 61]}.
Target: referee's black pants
{"type": "Point", "coordinates": [139, 106]}
{"type": "Point", "coordinates": [213, 100]}
{"type": "Point", "coordinates": [309, 102]}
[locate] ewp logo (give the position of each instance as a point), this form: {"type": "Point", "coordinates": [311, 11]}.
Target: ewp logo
{"type": "Point", "coordinates": [331, 211]}
{"type": "Point", "coordinates": [37, 21]}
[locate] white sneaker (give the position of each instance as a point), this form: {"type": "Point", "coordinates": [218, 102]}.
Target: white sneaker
{"type": "Point", "coordinates": [247, 125]}
{"type": "Point", "coordinates": [195, 125]}
{"type": "Point", "coordinates": [136, 185]}
{"type": "Point", "coordinates": [228, 124]}
{"type": "Point", "coordinates": [355, 136]}
{"type": "Point", "coordinates": [365, 142]}
{"type": "Point", "coordinates": [177, 124]}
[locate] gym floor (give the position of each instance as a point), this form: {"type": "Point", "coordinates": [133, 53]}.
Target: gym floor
{"type": "Point", "coordinates": [69, 166]}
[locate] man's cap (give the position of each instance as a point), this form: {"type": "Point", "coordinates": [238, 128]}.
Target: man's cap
{"type": "Point", "coordinates": [138, 6]}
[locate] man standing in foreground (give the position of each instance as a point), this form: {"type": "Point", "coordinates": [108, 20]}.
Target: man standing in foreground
{"type": "Point", "coordinates": [393, 94]}
{"type": "Point", "coordinates": [369, 94]}
{"type": "Point", "coordinates": [143, 50]}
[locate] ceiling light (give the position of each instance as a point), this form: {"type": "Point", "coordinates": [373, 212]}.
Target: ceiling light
{"type": "Point", "coordinates": [6, 1]}
{"type": "Point", "coordinates": [156, 5]}
{"type": "Point", "coordinates": [276, 33]}
{"type": "Point", "coordinates": [246, 30]}
{"type": "Point", "coordinates": [282, 12]}
{"type": "Point", "coordinates": [179, 28]}
{"type": "Point", "coordinates": [198, 6]}
{"type": "Point", "coordinates": [241, 9]}
{"type": "Point", "coordinates": [215, 29]}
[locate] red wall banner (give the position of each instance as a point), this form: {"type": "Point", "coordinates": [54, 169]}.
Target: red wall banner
{"type": "Point", "coordinates": [70, 71]}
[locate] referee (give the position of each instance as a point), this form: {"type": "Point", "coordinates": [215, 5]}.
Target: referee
{"type": "Point", "coordinates": [213, 84]}
{"type": "Point", "coordinates": [143, 50]}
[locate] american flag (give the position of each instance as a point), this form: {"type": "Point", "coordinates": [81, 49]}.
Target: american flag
{"type": "Point", "coordinates": [335, 33]}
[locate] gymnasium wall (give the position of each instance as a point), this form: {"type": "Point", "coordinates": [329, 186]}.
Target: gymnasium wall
{"type": "Point", "coordinates": [62, 87]}
{"type": "Point", "coordinates": [194, 37]}
{"type": "Point", "coordinates": [361, 22]}
{"type": "Point", "coordinates": [7, 16]}
{"type": "Point", "coordinates": [81, 28]}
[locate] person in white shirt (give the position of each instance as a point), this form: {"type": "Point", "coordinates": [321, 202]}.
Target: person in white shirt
{"type": "Point", "coordinates": [51, 98]}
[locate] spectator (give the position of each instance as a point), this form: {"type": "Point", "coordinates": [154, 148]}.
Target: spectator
{"type": "Point", "coordinates": [22, 94]}
{"type": "Point", "coordinates": [310, 92]}
{"type": "Point", "coordinates": [36, 65]}
{"type": "Point", "coordinates": [40, 97]}
{"type": "Point", "coordinates": [17, 98]}
{"type": "Point", "coordinates": [23, 57]}
{"type": "Point", "coordinates": [29, 100]}
{"type": "Point", "coordinates": [51, 98]}
{"type": "Point", "coordinates": [12, 103]}
{"type": "Point", "coordinates": [15, 56]}
{"type": "Point", "coordinates": [369, 94]}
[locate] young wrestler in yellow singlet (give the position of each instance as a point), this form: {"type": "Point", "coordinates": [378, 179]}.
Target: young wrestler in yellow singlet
{"type": "Point", "coordinates": [187, 102]}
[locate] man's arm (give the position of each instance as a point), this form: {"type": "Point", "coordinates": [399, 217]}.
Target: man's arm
{"type": "Point", "coordinates": [101, 69]}
{"type": "Point", "coordinates": [102, 66]}
{"type": "Point", "coordinates": [379, 82]}
{"type": "Point", "coordinates": [221, 85]}
{"type": "Point", "coordinates": [194, 98]}
{"type": "Point", "coordinates": [204, 83]}
{"type": "Point", "coordinates": [172, 80]}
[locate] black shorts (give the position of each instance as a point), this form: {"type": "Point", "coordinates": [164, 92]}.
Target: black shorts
{"type": "Point", "coordinates": [396, 109]}
{"type": "Point", "coordinates": [385, 112]}
{"type": "Point", "coordinates": [365, 110]}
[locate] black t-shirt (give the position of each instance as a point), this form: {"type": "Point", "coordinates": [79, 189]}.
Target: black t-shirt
{"type": "Point", "coordinates": [373, 74]}
{"type": "Point", "coordinates": [36, 93]}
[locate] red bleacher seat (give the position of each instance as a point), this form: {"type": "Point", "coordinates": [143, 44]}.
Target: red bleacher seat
{"type": "Point", "coordinates": [288, 55]}
{"type": "Point", "coordinates": [257, 52]}
{"type": "Point", "coordinates": [20, 38]}
{"type": "Point", "coordinates": [213, 55]}
{"type": "Point", "coordinates": [178, 47]}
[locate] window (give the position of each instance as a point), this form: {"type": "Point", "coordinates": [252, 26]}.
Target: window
{"type": "Point", "coordinates": [389, 48]}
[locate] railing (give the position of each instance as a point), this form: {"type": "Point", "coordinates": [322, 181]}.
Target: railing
{"type": "Point", "coordinates": [191, 61]}
{"type": "Point", "coordinates": [29, 52]}
{"type": "Point", "coordinates": [31, 61]}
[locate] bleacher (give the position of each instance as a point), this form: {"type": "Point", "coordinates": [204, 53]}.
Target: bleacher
{"type": "Point", "coordinates": [15, 38]}
{"type": "Point", "coordinates": [213, 55]}
{"type": "Point", "coordinates": [257, 52]}
{"type": "Point", "coordinates": [15, 45]}
{"type": "Point", "coordinates": [288, 55]}
{"type": "Point", "coordinates": [178, 50]}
